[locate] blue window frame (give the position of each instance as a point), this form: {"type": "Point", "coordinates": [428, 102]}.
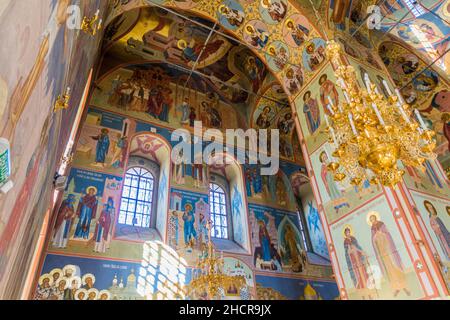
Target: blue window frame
{"type": "Point", "coordinates": [137, 198]}
{"type": "Point", "coordinates": [218, 211]}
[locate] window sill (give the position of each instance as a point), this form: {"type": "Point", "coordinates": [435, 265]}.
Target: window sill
{"type": "Point", "coordinates": [228, 246]}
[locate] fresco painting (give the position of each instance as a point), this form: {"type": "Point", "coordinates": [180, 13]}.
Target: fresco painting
{"type": "Point", "coordinates": [277, 288]}
{"type": "Point", "coordinates": [435, 214]}
{"type": "Point", "coordinates": [338, 198]}
{"type": "Point", "coordinates": [312, 103]}
{"type": "Point", "coordinates": [375, 263]}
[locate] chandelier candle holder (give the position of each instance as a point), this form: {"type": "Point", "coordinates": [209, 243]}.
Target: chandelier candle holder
{"type": "Point", "coordinates": [370, 133]}
{"type": "Point", "coordinates": [209, 281]}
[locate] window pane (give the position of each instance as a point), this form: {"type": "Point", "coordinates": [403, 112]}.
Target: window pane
{"type": "Point", "coordinates": [135, 207]}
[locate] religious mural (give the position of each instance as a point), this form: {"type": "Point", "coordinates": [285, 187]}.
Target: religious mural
{"type": "Point", "coordinates": [435, 215]}
{"type": "Point", "coordinates": [427, 91]}
{"type": "Point", "coordinates": [375, 263]}
{"type": "Point", "coordinates": [304, 194]}
{"type": "Point", "coordinates": [277, 288]}
{"type": "Point", "coordinates": [40, 51]}
{"type": "Point", "coordinates": [312, 105]}
{"type": "Point", "coordinates": [158, 97]}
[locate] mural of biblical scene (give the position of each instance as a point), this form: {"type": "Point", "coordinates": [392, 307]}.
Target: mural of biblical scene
{"type": "Point", "coordinates": [236, 267]}
{"type": "Point", "coordinates": [74, 278]}
{"type": "Point", "coordinates": [272, 112]}
{"type": "Point", "coordinates": [156, 93]}
{"type": "Point", "coordinates": [426, 90]}
{"type": "Point", "coordinates": [187, 224]}
{"type": "Point", "coordinates": [426, 178]}
{"type": "Point", "coordinates": [193, 175]}
{"type": "Point", "coordinates": [163, 36]}
{"type": "Point", "coordinates": [374, 261]}
{"type": "Point", "coordinates": [276, 240]}
{"type": "Point", "coordinates": [87, 217]}
{"type": "Point", "coordinates": [103, 142]}
{"type": "Point", "coordinates": [277, 288]}
{"type": "Point", "coordinates": [271, 190]}
{"type": "Point", "coordinates": [338, 198]}
{"type": "Point", "coordinates": [435, 214]}
{"type": "Point", "coordinates": [293, 79]}
{"type": "Point", "coordinates": [302, 190]}
{"type": "Point", "coordinates": [311, 107]}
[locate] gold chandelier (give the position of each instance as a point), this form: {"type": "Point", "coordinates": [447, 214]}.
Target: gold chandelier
{"type": "Point", "coordinates": [371, 133]}
{"type": "Point", "coordinates": [209, 281]}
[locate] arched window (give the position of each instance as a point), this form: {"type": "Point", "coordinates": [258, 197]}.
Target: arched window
{"type": "Point", "coordinates": [136, 207]}
{"type": "Point", "coordinates": [219, 212]}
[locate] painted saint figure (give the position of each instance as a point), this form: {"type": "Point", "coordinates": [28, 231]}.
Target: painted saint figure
{"type": "Point", "coordinates": [184, 108]}
{"type": "Point", "coordinates": [119, 155]}
{"type": "Point", "coordinates": [189, 225]}
{"type": "Point", "coordinates": [234, 17]}
{"type": "Point", "coordinates": [439, 228]}
{"type": "Point", "coordinates": [102, 147]}
{"type": "Point", "coordinates": [264, 239]}
{"type": "Point", "coordinates": [63, 223]}
{"type": "Point", "coordinates": [327, 91]}
{"type": "Point", "coordinates": [333, 191]}
{"type": "Point", "coordinates": [311, 111]}
{"type": "Point", "coordinates": [103, 226]}
{"type": "Point", "coordinates": [387, 255]}
{"type": "Point", "coordinates": [258, 38]}
{"type": "Point", "coordinates": [86, 211]}
{"type": "Point", "coordinates": [276, 9]}
{"type": "Point", "coordinates": [357, 261]}
{"type": "Point", "coordinates": [298, 32]}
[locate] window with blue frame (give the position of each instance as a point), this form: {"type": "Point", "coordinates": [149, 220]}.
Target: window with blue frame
{"type": "Point", "coordinates": [218, 209]}
{"type": "Point", "coordinates": [137, 202]}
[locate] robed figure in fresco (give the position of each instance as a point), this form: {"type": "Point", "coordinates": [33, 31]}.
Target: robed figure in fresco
{"type": "Point", "coordinates": [357, 261]}
{"type": "Point", "coordinates": [333, 191]}
{"type": "Point", "coordinates": [264, 239]}
{"type": "Point", "coordinates": [103, 226]}
{"type": "Point", "coordinates": [311, 111]}
{"type": "Point", "coordinates": [189, 225]}
{"type": "Point", "coordinates": [102, 146]}
{"type": "Point", "coordinates": [86, 211]}
{"type": "Point", "coordinates": [290, 249]}
{"type": "Point", "coordinates": [63, 223]}
{"type": "Point", "coordinates": [441, 232]}
{"type": "Point", "coordinates": [387, 255]}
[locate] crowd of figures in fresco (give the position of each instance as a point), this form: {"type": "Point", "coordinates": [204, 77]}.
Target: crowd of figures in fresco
{"type": "Point", "coordinates": [65, 284]}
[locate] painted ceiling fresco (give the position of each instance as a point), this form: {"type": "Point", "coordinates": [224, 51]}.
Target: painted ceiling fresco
{"type": "Point", "coordinates": [424, 26]}
{"type": "Point", "coordinates": [200, 59]}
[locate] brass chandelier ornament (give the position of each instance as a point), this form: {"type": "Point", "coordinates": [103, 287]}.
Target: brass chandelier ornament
{"type": "Point", "coordinates": [371, 133]}
{"type": "Point", "coordinates": [209, 281]}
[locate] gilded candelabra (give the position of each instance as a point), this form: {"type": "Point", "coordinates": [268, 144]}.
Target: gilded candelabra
{"type": "Point", "coordinates": [209, 281]}
{"type": "Point", "coordinates": [371, 133]}
{"type": "Point", "coordinates": [91, 25]}
{"type": "Point", "coordinates": [62, 102]}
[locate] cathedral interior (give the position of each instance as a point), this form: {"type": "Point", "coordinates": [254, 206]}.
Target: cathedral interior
{"type": "Point", "coordinates": [96, 95]}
